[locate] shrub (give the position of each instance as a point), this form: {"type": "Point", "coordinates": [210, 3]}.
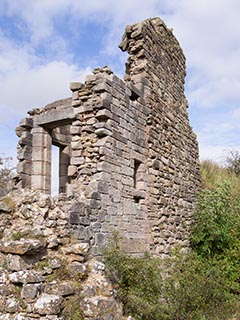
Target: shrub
{"type": "Point", "coordinates": [217, 222]}
{"type": "Point", "coordinates": [203, 284]}
{"type": "Point", "coordinates": [196, 289]}
{"type": "Point", "coordinates": [138, 282]}
{"type": "Point", "coordinates": [179, 288]}
{"type": "Point", "coordinates": [215, 236]}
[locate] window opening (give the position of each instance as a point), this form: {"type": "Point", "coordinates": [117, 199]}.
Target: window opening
{"type": "Point", "coordinates": [134, 96]}
{"type": "Point", "coordinates": [55, 170]}
{"type": "Point", "coordinates": [137, 180]}
{"type": "Point", "coordinates": [64, 161]}
{"type": "Point", "coordinates": [136, 177]}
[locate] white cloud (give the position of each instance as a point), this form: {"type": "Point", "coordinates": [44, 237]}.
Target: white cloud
{"type": "Point", "coordinates": [37, 14]}
{"type": "Point", "coordinates": [236, 113]}
{"type": "Point", "coordinates": [216, 153]}
{"type": "Point", "coordinates": [208, 31]}
{"type": "Point", "coordinates": [27, 82]}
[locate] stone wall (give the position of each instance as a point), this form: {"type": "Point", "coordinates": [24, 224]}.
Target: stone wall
{"type": "Point", "coordinates": [45, 272]}
{"type": "Point", "coordinates": [129, 158]}
{"type": "Point", "coordinates": [156, 65]}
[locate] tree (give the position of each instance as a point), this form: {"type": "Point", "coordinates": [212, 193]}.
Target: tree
{"type": "Point", "coordinates": [233, 161]}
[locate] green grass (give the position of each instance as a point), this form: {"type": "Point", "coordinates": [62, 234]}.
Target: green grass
{"type": "Point", "coordinates": [213, 174]}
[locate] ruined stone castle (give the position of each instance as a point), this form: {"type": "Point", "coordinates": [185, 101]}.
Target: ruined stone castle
{"type": "Point", "coordinates": [128, 158]}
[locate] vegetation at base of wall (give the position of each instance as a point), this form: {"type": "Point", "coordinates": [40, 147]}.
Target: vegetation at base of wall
{"type": "Point", "coordinates": [5, 174]}
{"type": "Point", "coordinates": [138, 282]}
{"type": "Point", "coordinates": [203, 284]}
{"type": "Point", "coordinates": [217, 222]}
{"type": "Point", "coordinates": [192, 288]}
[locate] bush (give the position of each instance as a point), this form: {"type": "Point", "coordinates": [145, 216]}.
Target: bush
{"type": "Point", "coordinates": [179, 288]}
{"type": "Point", "coordinates": [201, 285]}
{"type": "Point", "coordinates": [138, 282]}
{"type": "Point", "coordinates": [217, 222]}
{"type": "Point", "coordinates": [215, 236]}
{"type": "Point", "coordinates": [196, 289]}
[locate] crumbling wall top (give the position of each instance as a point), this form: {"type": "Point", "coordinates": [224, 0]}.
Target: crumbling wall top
{"type": "Point", "coordinates": [155, 58]}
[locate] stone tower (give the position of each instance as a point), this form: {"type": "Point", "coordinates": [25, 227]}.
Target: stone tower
{"type": "Point", "coordinates": [128, 156]}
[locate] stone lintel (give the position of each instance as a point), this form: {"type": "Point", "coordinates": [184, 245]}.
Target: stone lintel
{"type": "Point", "coordinates": [55, 118]}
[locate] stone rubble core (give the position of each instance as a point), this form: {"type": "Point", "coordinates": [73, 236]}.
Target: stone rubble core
{"type": "Point", "coordinates": [45, 272]}
{"type": "Point", "coordinates": [128, 156]}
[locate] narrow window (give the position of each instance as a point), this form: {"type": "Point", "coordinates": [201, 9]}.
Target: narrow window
{"type": "Point", "coordinates": [138, 181]}
{"type": "Point", "coordinates": [136, 176]}
{"type": "Point", "coordinates": [55, 171]}
{"type": "Point", "coordinates": [134, 96]}
{"type": "Point", "coordinates": [64, 161]}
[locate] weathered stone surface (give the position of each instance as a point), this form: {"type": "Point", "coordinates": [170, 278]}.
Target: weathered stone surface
{"type": "Point", "coordinates": [53, 241]}
{"type": "Point", "coordinates": [30, 291]}
{"type": "Point", "coordinates": [10, 304]}
{"type": "Point", "coordinates": [23, 246]}
{"type": "Point", "coordinates": [45, 280]}
{"type": "Point", "coordinates": [25, 276]}
{"type": "Point", "coordinates": [76, 86]}
{"type": "Point", "coordinates": [49, 304]}
{"type": "Point", "coordinates": [98, 292]}
{"type": "Point", "coordinates": [16, 263]}
{"type": "Point", "coordinates": [63, 289]}
{"type": "Point", "coordinates": [3, 275]}
{"type": "Point", "coordinates": [77, 249]}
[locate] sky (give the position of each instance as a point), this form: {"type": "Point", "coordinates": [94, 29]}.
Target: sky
{"type": "Point", "coordinates": [46, 44]}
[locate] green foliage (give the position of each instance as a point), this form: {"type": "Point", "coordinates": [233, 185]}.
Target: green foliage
{"type": "Point", "coordinates": [5, 175]}
{"type": "Point", "coordinates": [217, 224]}
{"type": "Point", "coordinates": [42, 264]}
{"type": "Point", "coordinates": [196, 289]}
{"type": "Point", "coordinates": [201, 285]}
{"type": "Point", "coordinates": [72, 308]}
{"type": "Point", "coordinates": [17, 235]}
{"type": "Point", "coordinates": [213, 174]}
{"type": "Point", "coordinates": [216, 234]}
{"type": "Point", "coordinates": [61, 273]}
{"type": "Point", "coordinates": [138, 281]}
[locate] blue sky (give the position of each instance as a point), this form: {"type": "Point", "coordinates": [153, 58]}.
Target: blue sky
{"type": "Point", "coordinates": [46, 44]}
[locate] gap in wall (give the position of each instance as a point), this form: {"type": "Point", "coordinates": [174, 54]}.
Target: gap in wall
{"type": "Point", "coordinates": [55, 171]}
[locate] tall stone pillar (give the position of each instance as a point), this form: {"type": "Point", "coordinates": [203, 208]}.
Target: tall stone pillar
{"type": "Point", "coordinates": [41, 160]}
